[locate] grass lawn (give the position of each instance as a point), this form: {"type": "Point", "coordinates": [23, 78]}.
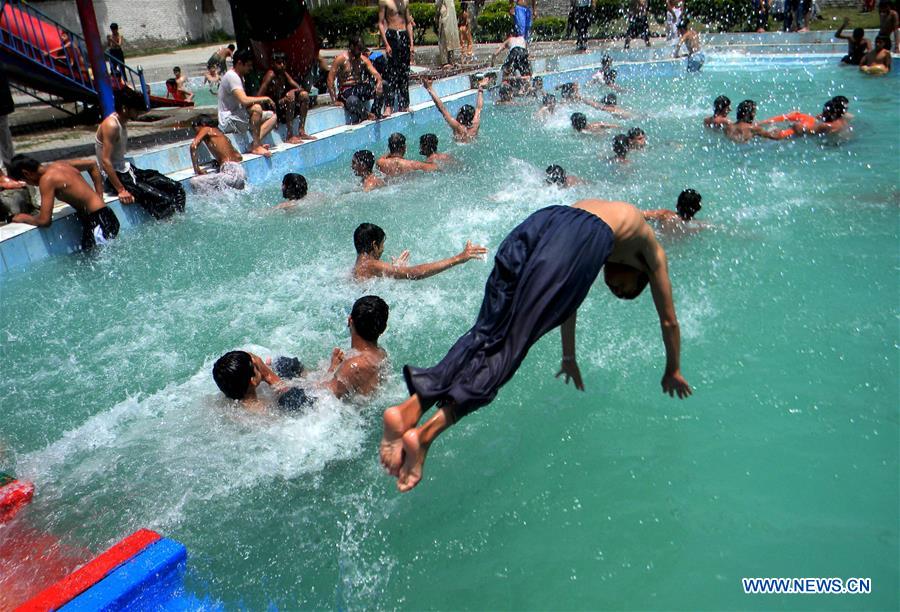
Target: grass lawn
{"type": "Point", "coordinates": [835, 16]}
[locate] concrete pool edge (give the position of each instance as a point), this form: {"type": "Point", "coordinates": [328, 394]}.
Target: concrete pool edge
{"type": "Point", "coordinates": [21, 245]}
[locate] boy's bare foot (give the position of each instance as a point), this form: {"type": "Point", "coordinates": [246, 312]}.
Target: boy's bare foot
{"type": "Point", "coordinates": [413, 461]}
{"type": "Point", "coordinates": [397, 420]}
{"type": "Point", "coordinates": [294, 140]}
{"type": "Point", "coordinates": [305, 136]}
{"type": "Point", "coordinates": [261, 150]}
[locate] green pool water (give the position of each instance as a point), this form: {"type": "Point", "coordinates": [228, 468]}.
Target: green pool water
{"type": "Point", "coordinates": [783, 463]}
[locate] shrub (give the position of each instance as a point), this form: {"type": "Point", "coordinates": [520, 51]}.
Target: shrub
{"type": "Point", "coordinates": [338, 22]}
{"type": "Point", "coordinates": [494, 27]}
{"type": "Point", "coordinates": [549, 28]}
{"type": "Point", "coordinates": [425, 17]}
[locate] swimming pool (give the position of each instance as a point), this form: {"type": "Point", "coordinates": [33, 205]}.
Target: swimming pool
{"type": "Point", "coordinates": [783, 463]}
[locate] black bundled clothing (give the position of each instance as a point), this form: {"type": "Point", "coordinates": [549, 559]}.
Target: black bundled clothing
{"type": "Point", "coordinates": [156, 193]}
{"type": "Point", "coordinates": [98, 227]}
{"type": "Point", "coordinates": [542, 273]}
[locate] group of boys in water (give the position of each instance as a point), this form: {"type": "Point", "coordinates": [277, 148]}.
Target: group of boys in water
{"type": "Point", "coordinates": [542, 271]}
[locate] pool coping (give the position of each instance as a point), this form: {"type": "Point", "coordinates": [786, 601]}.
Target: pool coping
{"type": "Point", "coordinates": [21, 244]}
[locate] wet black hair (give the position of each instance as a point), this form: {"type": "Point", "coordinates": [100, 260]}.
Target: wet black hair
{"type": "Point", "coordinates": [548, 99]}
{"type": "Point", "coordinates": [635, 132]}
{"type": "Point", "coordinates": [114, 26]}
{"type": "Point", "coordinates": [746, 111]}
{"type": "Point", "coordinates": [506, 92]}
{"type": "Point", "coordinates": [466, 115]}
{"type": "Point", "coordinates": [231, 46]}
{"type": "Point", "coordinates": [365, 236]}
{"type": "Point", "coordinates": [204, 120]}
{"type": "Point", "coordinates": [721, 105]}
{"type": "Point", "coordinates": [884, 39]}
{"type": "Point", "coordinates": [833, 111]}
{"type": "Point", "coordinates": [610, 99]}
{"type": "Point", "coordinates": [428, 144]}
{"type": "Point", "coordinates": [620, 145]}
{"type": "Point", "coordinates": [176, 69]}
{"type": "Point", "coordinates": [684, 23]}
{"type": "Point", "coordinates": [396, 142]}
{"type": "Point", "coordinates": [20, 164]}
{"type": "Point", "coordinates": [294, 186]}
{"type": "Point", "coordinates": [556, 175]}
{"type": "Point", "coordinates": [366, 158]}
{"type": "Point", "coordinates": [609, 76]}
{"type": "Point", "coordinates": [370, 316]}
{"type": "Point", "coordinates": [688, 204]}
{"type": "Point", "coordinates": [858, 33]}
{"type": "Point", "coordinates": [244, 56]}
{"type": "Point", "coordinates": [579, 121]}
{"type": "Point", "coordinates": [606, 61]}
{"type": "Point", "coordinates": [566, 90]}
{"type": "Point", "coordinates": [842, 101]}
{"type": "Point", "coordinates": [232, 373]}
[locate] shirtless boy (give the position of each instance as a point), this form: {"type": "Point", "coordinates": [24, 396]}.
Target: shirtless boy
{"type": "Point", "coordinates": [556, 175]}
{"type": "Point", "coordinates": [428, 148]}
{"type": "Point", "coordinates": [467, 122]}
{"type": "Point", "coordinates": [395, 24]}
{"type": "Point", "coordinates": [181, 83]}
{"type": "Point", "coordinates": [351, 90]}
{"type": "Point", "coordinates": [691, 41]}
{"type": "Point", "coordinates": [877, 61]}
{"type": "Point", "coordinates": [679, 220]}
{"type": "Point", "coordinates": [745, 128]}
{"type": "Point", "coordinates": [363, 166]}
{"type": "Point", "coordinates": [62, 180]}
{"type": "Point", "coordinates": [393, 163]}
{"type": "Point", "coordinates": [567, 247]}
{"type": "Point", "coordinates": [368, 239]}
{"type": "Point", "coordinates": [719, 118]}
{"type": "Point", "coordinates": [358, 373]}
{"type": "Point", "coordinates": [231, 174]}
{"type": "Point", "coordinates": [582, 126]}
{"type": "Point", "coordinates": [291, 100]}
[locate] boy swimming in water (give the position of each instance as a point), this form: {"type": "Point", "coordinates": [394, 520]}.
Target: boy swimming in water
{"type": "Point", "coordinates": [581, 125]}
{"type": "Point", "coordinates": [363, 164]}
{"type": "Point", "coordinates": [745, 128]}
{"type": "Point", "coordinates": [857, 44]}
{"type": "Point", "coordinates": [682, 218]}
{"type": "Point", "coordinates": [557, 176]}
{"type": "Point", "coordinates": [542, 274]}
{"type": "Point", "coordinates": [394, 162]}
{"type": "Point", "coordinates": [231, 174]}
{"type": "Point", "coordinates": [877, 61]}
{"type": "Point", "coordinates": [294, 188]}
{"type": "Point", "coordinates": [620, 149]}
{"type": "Point", "coordinates": [368, 239]}
{"type": "Point", "coordinates": [832, 120]}
{"type": "Point", "coordinates": [428, 148]}
{"type": "Point", "coordinates": [719, 119]}
{"type": "Point", "coordinates": [637, 139]}
{"type": "Point", "coordinates": [467, 122]}
{"type": "Point", "coordinates": [607, 104]}
{"type": "Point", "coordinates": [238, 374]}
{"type": "Point", "coordinates": [548, 107]}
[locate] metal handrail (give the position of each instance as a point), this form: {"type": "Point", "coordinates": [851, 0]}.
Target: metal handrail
{"type": "Point", "coordinates": [74, 50]}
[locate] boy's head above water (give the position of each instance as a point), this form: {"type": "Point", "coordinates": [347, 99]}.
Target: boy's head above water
{"type": "Point", "coordinates": [556, 175]}
{"type": "Point", "coordinates": [237, 373]}
{"type": "Point", "coordinates": [688, 204]}
{"type": "Point", "coordinates": [746, 111]}
{"type": "Point", "coordinates": [620, 146]}
{"type": "Point", "coordinates": [368, 239]}
{"type": "Point", "coordinates": [294, 186]}
{"type": "Point", "coordinates": [397, 144]}
{"type": "Point", "coordinates": [466, 115]}
{"type": "Point", "coordinates": [202, 121]}
{"type": "Point", "coordinates": [369, 317]}
{"type": "Point", "coordinates": [363, 162]}
{"type": "Point", "coordinates": [428, 144]}
{"type": "Point", "coordinates": [722, 106]}
{"type": "Point", "coordinates": [579, 121]}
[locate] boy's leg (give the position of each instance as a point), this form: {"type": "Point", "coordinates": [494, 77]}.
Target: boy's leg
{"type": "Point", "coordinates": [416, 443]}
{"type": "Point", "coordinates": [302, 111]}
{"type": "Point", "coordinates": [288, 108]}
{"type": "Point", "coordinates": [397, 421]}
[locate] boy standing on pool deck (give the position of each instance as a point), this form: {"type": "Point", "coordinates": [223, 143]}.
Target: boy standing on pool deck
{"type": "Point", "coordinates": [542, 273]}
{"type": "Point", "coordinates": [691, 40]}
{"type": "Point", "coordinates": [395, 23]}
{"type": "Point", "coordinates": [368, 239]}
{"type": "Point", "coordinates": [231, 174]}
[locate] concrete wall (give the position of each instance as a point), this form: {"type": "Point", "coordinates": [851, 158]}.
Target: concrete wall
{"type": "Point", "coordinates": [156, 24]}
